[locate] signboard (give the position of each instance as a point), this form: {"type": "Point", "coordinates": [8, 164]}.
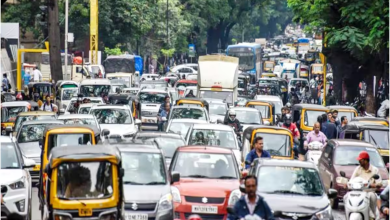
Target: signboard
{"type": "Point", "coordinates": [191, 50]}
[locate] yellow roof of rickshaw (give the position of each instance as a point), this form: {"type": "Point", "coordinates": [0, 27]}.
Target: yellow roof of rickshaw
{"type": "Point", "coordinates": [72, 128]}
{"type": "Point", "coordinates": [249, 130]}
{"type": "Point", "coordinates": [36, 113]}
{"type": "Point", "coordinates": [15, 104]}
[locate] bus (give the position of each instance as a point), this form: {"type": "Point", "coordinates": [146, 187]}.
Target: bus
{"type": "Point", "coordinates": [45, 66]}
{"type": "Point", "coordinates": [303, 44]}
{"type": "Point", "coordinates": [249, 55]}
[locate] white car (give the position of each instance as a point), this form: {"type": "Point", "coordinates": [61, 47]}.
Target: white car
{"type": "Point", "coordinates": [189, 112]}
{"type": "Point", "coordinates": [149, 76]}
{"type": "Point", "coordinates": [151, 100]}
{"type": "Point", "coordinates": [86, 107]}
{"type": "Point", "coordinates": [15, 180]}
{"type": "Point", "coordinates": [81, 119]}
{"type": "Point", "coordinates": [182, 125]}
{"type": "Point", "coordinates": [184, 70]}
{"type": "Point", "coordinates": [95, 100]}
{"type": "Point", "coordinates": [133, 91]}
{"type": "Point", "coordinates": [117, 119]}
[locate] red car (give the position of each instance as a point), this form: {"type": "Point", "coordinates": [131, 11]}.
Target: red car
{"type": "Point", "coordinates": [185, 83]}
{"type": "Point", "coordinates": [205, 180]}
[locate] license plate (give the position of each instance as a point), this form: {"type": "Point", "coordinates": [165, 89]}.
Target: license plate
{"type": "Point", "coordinates": [85, 212]}
{"type": "Point", "coordinates": [37, 168]}
{"type": "Point", "coordinates": [205, 209]}
{"type": "Point", "coordinates": [136, 216]}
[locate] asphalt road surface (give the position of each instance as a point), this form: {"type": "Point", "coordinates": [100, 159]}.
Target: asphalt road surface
{"type": "Point", "coordinates": [36, 214]}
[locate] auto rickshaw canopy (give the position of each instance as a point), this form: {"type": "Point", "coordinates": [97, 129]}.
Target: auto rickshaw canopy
{"type": "Point", "coordinates": [371, 120]}
{"type": "Point", "coordinates": [251, 131]}
{"type": "Point", "coordinates": [193, 101]}
{"type": "Point", "coordinates": [41, 88]}
{"type": "Point", "coordinates": [85, 153]}
{"type": "Point", "coordinates": [315, 69]}
{"type": "Point", "coordinates": [72, 129]}
{"type": "Point", "coordinates": [357, 127]}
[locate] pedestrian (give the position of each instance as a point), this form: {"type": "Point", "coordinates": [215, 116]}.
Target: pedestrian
{"type": "Point", "coordinates": [329, 116]}
{"type": "Point", "coordinates": [330, 99]}
{"type": "Point", "coordinates": [163, 116]}
{"type": "Point", "coordinates": [26, 79]}
{"type": "Point", "coordinates": [315, 135]}
{"type": "Point", "coordinates": [324, 121]}
{"type": "Point", "coordinates": [48, 105]}
{"type": "Point", "coordinates": [5, 83]}
{"type": "Point", "coordinates": [37, 74]}
{"type": "Point", "coordinates": [151, 67]}
{"type": "Point", "coordinates": [331, 129]}
{"type": "Point", "coordinates": [344, 123]}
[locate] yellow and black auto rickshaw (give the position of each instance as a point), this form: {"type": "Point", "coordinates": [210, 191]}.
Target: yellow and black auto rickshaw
{"type": "Point", "coordinates": [277, 141]}
{"type": "Point", "coordinates": [38, 91]}
{"type": "Point", "coordinates": [306, 115]}
{"type": "Point", "coordinates": [348, 111]}
{"type": "Point", "coordinates": [316, 70]}
{"type": "Point", "coordinates": [267, 110]}
{"type": "Point", "coordinates": [85, 182]}
{"type": "Point", "coordinates": [371, 120]}
{"type": "Point", "coordinates": [268, 69]}
{"type": "Point", "coordinates": [193, 102]}
{"type": "Point", "coordinates": [9, 112]}
{"type": "Point", "coordinates": [375, 134]}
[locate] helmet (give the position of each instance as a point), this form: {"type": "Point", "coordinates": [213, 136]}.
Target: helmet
{"type": "Point", "coordinates": [232, 114]}
{"type": "Point", "coordinates": [287, 119]}
{"type": "Point", "coordinates": [288, 105]}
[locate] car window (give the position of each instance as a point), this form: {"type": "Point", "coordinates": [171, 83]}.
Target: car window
{"type": "Point", "coordinates": [212, 138]}
{"type": "Point", "coordinates": [347, 156]}
{"type": "Point", "coordinates": [112, 116]}
{"type": "Point", "coordinates": [179, 128]}
{"type": "Point", "coordinates": [9, 158]}
{"type": "Point", "coordinates": [80, 121]}
{"type": "Point", "coordinates": [189, 113]}
{"type": "Point", "coordinates": [31, 133]}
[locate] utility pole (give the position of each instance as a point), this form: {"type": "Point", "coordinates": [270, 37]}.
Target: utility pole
{"type": "Point", "coordinates": [54, 41]}
{"type": "Point", "coordinates": [66, 38]}
{"type": "Point", "coordinates": [167, 24]}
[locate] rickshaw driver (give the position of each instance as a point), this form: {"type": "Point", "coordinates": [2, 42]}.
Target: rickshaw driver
{"type": "Point", "coordinates": [295, 132]}
{"type": "Point", "coordinates": [80, 182]}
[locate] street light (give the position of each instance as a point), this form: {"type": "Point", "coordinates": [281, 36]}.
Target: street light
{"type": "Point", "coordinates": [66, 37]}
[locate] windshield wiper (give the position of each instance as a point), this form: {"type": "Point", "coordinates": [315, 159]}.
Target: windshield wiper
{"type": "Point", "coordinates": [155, 183]}
{"type": "Point", "coordinates": [287, 192]}
{"type": "Point", "coordinates": [132, 183]}
{"type": "Point", "coordinates": [226, 177]}
{"type": "Point", "coordinates": [64, 198]}
{"type": "Point", "coordinates": [198, 176]}
{"type": "Point", "coordinates": [350, 164]}
{"type": "Point", "coordinates": [10, 168]}
{"type": "Point", "coordinates": [374, 141]}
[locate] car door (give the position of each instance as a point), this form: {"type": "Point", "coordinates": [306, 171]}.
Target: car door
{"type": "Point", "coordinates": [325, 165]}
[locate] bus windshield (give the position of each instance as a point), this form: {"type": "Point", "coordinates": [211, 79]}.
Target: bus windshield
{"type": "Point", "coordinates": [246, 59]}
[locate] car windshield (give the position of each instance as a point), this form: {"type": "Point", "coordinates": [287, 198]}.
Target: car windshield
{"type": "Point", "coordinates": [179, 127]}
{"type": "Point", "coordinates": [276, 144]}
{"type": "Point", "coordinates": [217, 108]}
{"type": "Point", "coordinates": [169, 145]}
{"type": "Point", "coordinates": [31, 133]}
{"type": "Point", "coordinates": [379, 138]}
{"type": "Point", "coordinates": [84, 180]}
{"type": "Point", "coordinates": [241, 101]}
{"type": "Point", "coordinates": [185, 84]}
{"type": "Point", "coordinates": [346, 156]}
{"type": "Point", "coordinates": [222, 95]}
{"type": "Point", "coordinates": [152, 97]}
{"type": "Point", "coordinates": [114, 87]}
{"type": "Point", "coordinates": [67, 94]}
{"type": "Point", "coordinates": [21, 119]}
{"type": "Point", "coordinates": [84, 110]}
{"type": "Point", "coordinates": [241, 83]}
{"type": "Point", "coordinates": [311, 117]}
{"type": "Point", "coordinates": [160, 86]}
{"type": "Point", "coordinates": [266, 81]}
{"type": "Point", "coordinates": [263, 109]}
{"type": "Point", "coordinates": [80, 121]}
{"type": "Point", "coordinates": [248, 117]}
{"type": "Point", "coordinates": [302, 82]}
{"type": "Point", "coordinates": [212, 138]}
{"type": "Point", "coordinates": [112, 116]}
{"type": "Point", "coordinates": [289, 180]}
{"type": "Point", "coordinates": [66, 139]}
{"type": "Point", "coordinates": [9, 159]}
{"type": "Point", "coordinates": [205, 165]}
{"type": "Point", "coordinates": [278, 106]}
{"type": "Point", "coordinates": [246, 59]}
{"type": "Point", "coordinates": [13, 113]}
{"type": "Point", "coordinates": [143, 168]}
{"type": "Point", "coordinates": [188, 113]}
{"type": "Point", "coordinates": [349, 115]}
{"type": "Point", "coordinates": [71, 107]}
{"type": "Point", "coordinates": [95, 90]}
{"type": "Point", "coordinates": [269, 65]}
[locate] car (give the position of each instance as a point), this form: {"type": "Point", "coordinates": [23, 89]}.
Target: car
{"type": "Point", "coordinates": [340, 155]}
{"type": "Point", "coordinates": [217, 109]}
{"type": "Point", "coordinates": [146, 182]}
{"type": "Point", "coordinates": [294, 81]}
{"type": "Point", "coordinates": [247, 116]}
{"type": "Point", "coordinates": [167, 142]}
{"type": "Point", "coordinates": [130, 90]}
{"type": "Point", "coordinates": [205, 181]}
{"type": "Point", "coordinates": [182, 125]}
{"type": "Point", "coordinates": [192, 76]}
{"type": "Point", "coordinates": [70, 108]}
{"type": "Point", "coordinates": [15, 180]}
{"type": "Point", "coordinates": [32, 116]}
{"type": "Point", "coordinates": [150, 76]}
{"type": "Point", "coordinates": [64, 96]}
{"type": "Point", "coordinates": [292, 187]}
{"type": "Point", "coordinates": [151, 100]}
{"type": "Point", "coordinates": [85, 108]}
{"type": "Point", "coordinates": [82, 119]}
{"type": "Point", "coordinates": [185, 69]}
{"type": "Point", "coordinates": [188, 112]}
{"type": "Point", "coordinates": [180, 66]}
{"type": "Point", "coordinates": [117, 119]}
{"type": "Point", "coordinates": [29, 139]}
{"type": "Point", "coordinates": [215, 135]}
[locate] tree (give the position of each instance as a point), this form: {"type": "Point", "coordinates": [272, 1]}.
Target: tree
{"type": "Point", "coordinates": [356, 36]}
{"type": "Point", "coordinates": [114, 51]}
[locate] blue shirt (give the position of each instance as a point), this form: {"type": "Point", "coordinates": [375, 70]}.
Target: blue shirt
{"type": "Point", "coordinates": [26, 79]}
{"type": "Point", "coordinates": [5, 82]}
{"type": "Point", "coordinates": [252, 155]}
{"type": "Point", "coordinates": [261, 209]}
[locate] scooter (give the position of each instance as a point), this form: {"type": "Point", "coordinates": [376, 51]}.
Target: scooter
{"type": "Point", "coordinates": [356, 201]}
{"type": "Point", "coordinates": [314, 152]}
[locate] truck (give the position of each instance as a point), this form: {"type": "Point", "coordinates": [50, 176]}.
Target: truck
{"type": "Point", "coordinates": [218, 77]}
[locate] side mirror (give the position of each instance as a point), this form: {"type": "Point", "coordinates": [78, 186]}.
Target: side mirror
{"type": "Point", "coordinates": [105, 132]}
{"type": "Point", "coordinates": [376, 176]}
{"type": "Point", "coordinates": [62, 111]}
{"type": "Point", "coordinates": [332, 193]}
{"type": "Point", "coordinates": [219, 121]}
{"type": "Point", "coordinates": [342, 173]}
{"type": "Point", "coordinates": [28, 163]}
{"type": "Point", "coordinates": [230, 211]}
{"type": "Point", "coordinates": [8, 129]}
{"type": "Point", "coordinates": [138, 122]}
{"type": "Point", "coordinates": [247, 162]}
{"type": "Point", "coordinates": [175, 177]}
{"type": "Point", "coordinates": [242, 188]}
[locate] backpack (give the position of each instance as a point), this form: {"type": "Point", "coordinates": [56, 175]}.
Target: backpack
{"type": "Point", "coordinates": [44, 106]}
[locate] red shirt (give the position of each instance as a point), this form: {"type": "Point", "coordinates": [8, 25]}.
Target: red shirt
{"type": "Point", "coordinates": [294, 130]}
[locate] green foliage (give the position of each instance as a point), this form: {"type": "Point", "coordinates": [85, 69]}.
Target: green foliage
{"type": "Point", "coordinates": [114, 51]}
{"type": "Point", "coordinates": [168, 52]}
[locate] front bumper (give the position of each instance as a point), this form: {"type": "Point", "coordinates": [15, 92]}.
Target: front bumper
{"type": "Point", "coordinates": [14, 197]}
{"type": "Point", "coordinates": [146, 209]}
{"type": "Point", "coordinates": [4, 212]}
{"type": "Point", "coordinates": [185, 210]}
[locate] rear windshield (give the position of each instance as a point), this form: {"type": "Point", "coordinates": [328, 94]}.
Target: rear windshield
{"type": "Point", "coordinates": [56, 140]}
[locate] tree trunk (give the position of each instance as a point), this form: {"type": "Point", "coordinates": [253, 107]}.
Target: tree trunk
{"type": "Point", "coordinates": [213, 36]}
{"type": "Point", "coordinates": [54, 42]}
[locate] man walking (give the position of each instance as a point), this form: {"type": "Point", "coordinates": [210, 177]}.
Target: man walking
{"type": "Point", "coordinates": [5, 83]}
{"type": "Point", "coordinates": [26, 78]}
{"type": "Point", "coordinates": [37, 75]}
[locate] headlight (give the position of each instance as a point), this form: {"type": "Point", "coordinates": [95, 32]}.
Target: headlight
{"type": "Point", "coordinates": [17, 185]}
{"type": "Point", "coordinates": [234, 197]}
{"type": "Point", "coordinates": [325, 214]}
{"type": "Point", "coordinates": [176, 194]}
{"type": "Point", "coordinates": [165, 203]}
{"type": "Point", "coordinates": [111, 216]}
{"type": "Point", "coordinates": [62, 217]}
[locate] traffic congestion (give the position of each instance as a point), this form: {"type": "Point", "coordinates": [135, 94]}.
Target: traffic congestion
{"type": "Point", "coordinates": [253, 133]}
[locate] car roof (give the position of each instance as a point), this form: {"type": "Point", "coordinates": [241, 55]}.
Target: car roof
{"type": "Point", "coordinates": [87, 105]}
{"type": "Point", "coordinates": [70, 116]}
{"type": "Point", "coordinates": [209, 100]}
{"type": "Point", "coordinates": [288, 163]}
{"type": "Point", "coordinates": [14, 104]}
{"type": "Point", "coordinates": [205, 149]}
{"type": "Point", "coordinates": [187, 81]}
{"type": "Point", "coordinates": [38, 122]}
{"type": "Point", "coordinates": [36, 113]}
{"type": "Point", "coordinates": [104, 106]}
{"type": "Point", "coordinates": [213, 127]}
{"type": "Point", "coordinates": [188, 120]}
{"type": "Point", "coordinates": [337, 107]}
{"type": "Point", "coordinates": [158, 134]}
{"type": "Point", "coordinates": [95, 82]}
{"type": "Point", "coordinates": [352, 143]}
{"type": "Point", "coordinates": [244, 109]}
{"type": "Point", "coordinates": [268, 97]}
{"type": "Point", "coordinates": [188, 107]}
{"type": "Point", "coordinates": [87, 97]}
{"type": "Point", "coordinates": [139, 148]}
{"type": "Point", "coordinates": [95, 129]}
{"type": "Point", "coordinates": [154, 90]}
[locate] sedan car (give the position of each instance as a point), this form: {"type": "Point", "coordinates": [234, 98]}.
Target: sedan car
{"type": "Point", "coordinates": [293, 187]}
{"type": "Point", "coordinates": [70, 108]}
{"type": "Point", "coordinates": [181, 126]}
{"type": "Point", "coordinates": [81, 119]}
{"type": "Point", "coordinates": [15, 180]}
{"type": "Point", "coordinates": [246, 116]}
{"type": "Point", "coordinates": [188, 112]}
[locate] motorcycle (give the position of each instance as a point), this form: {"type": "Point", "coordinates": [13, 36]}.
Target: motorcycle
{"type": "Point", "coordinates": [314, 152]}
{"type": "Point", "coordinates": [357, 201]}
{"type": "Point", "coordinates": [233, 215]}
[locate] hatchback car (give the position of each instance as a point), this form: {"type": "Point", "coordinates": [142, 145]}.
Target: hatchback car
{"type": "Point", "coordinates": [293, 187]}
{"type": "Point", "coordinates": [340, 155]}
{"type": "Point", "coordinates": [181, 126]}
{"type": "Point", "coordinates": [81, 119]}
{"type": "Point", "coordinates": [205, 181]}
{"type": "Point", "coordinates": [71, 108]}
{"type": "Point", "coordinates": [188, 112]}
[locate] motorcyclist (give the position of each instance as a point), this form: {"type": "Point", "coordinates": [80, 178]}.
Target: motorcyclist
{"type": "Point", "coordinates": [293, 96]}
{"type": "Point", "coordinates": [315, 135]}
{"type": "Point", "coordinates": [294, 130]}
{"type": "Point", "coordinates": [306, 95]}
{"type": "Point", "coordinates": [190, 94]}
{"type": "Point", "coordinates": [366, 170]}
{"type": "Point", "coordinates": [233, 121]}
